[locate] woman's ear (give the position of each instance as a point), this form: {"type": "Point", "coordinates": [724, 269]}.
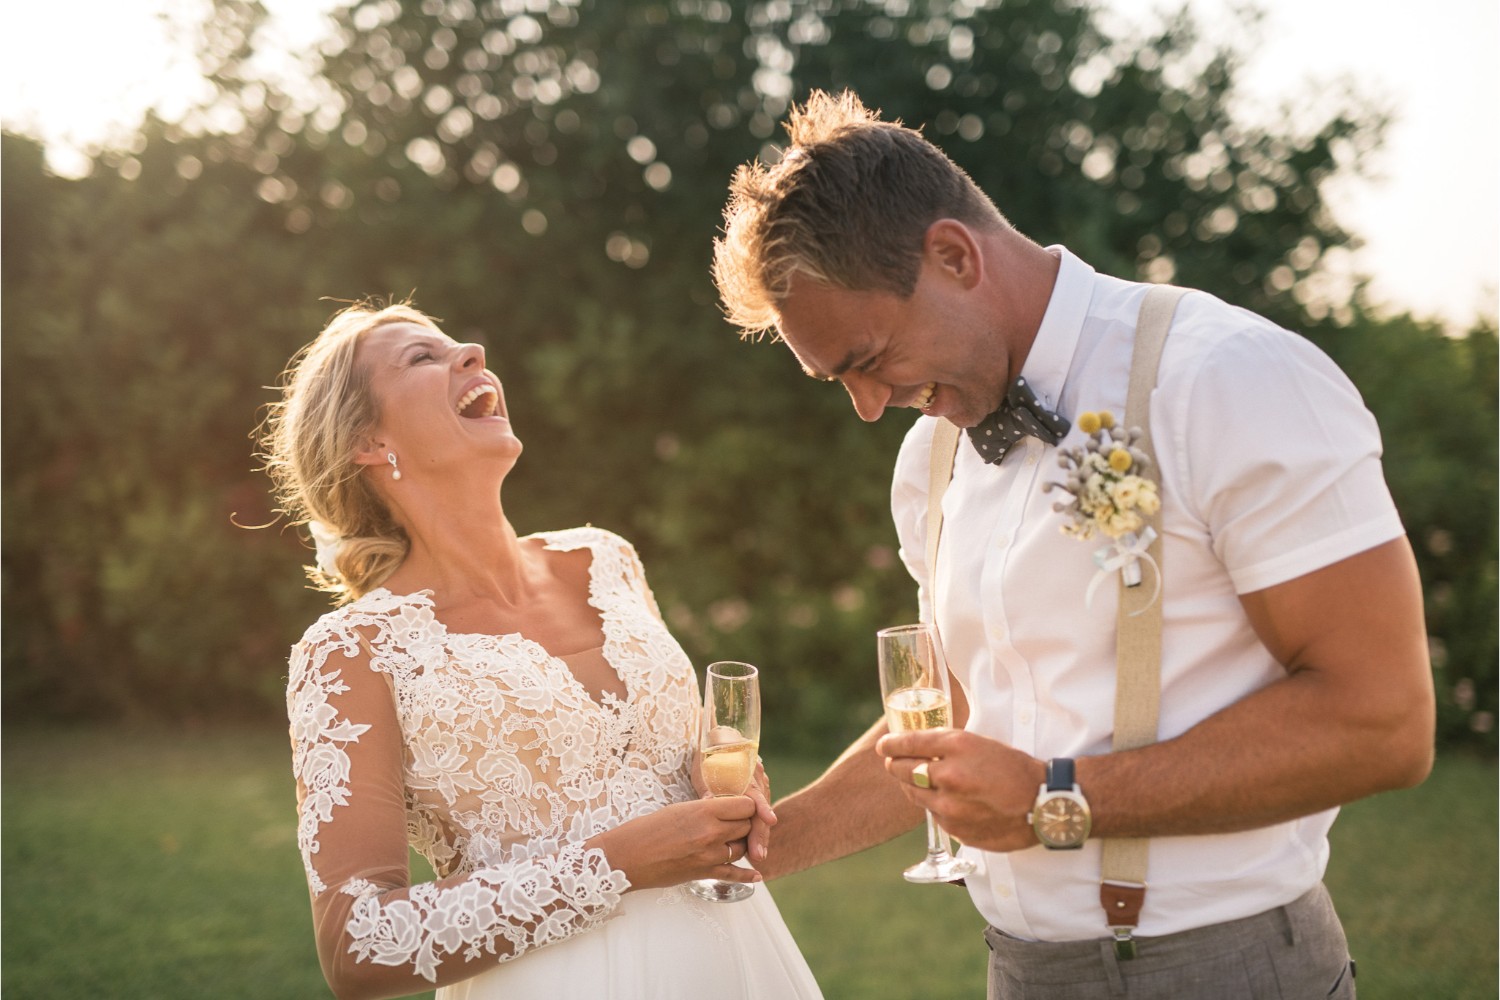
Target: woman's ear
{"type": "Point", "coordinates": [371, 452]}
{"type": "Point", "coordinates": [950, 245]}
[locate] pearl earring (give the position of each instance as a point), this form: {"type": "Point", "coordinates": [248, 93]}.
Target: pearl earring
{"type": "Point", "coordinates": [390, 456]}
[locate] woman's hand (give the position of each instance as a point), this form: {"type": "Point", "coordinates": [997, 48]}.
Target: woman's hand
{"type": "Point", "coordinates": [758, 844]}
{"type": "Point", "coordinates": [683, 842]}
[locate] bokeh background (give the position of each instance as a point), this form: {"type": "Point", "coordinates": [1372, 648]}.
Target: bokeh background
{"type": "Point", "coordinates": [547, 177]}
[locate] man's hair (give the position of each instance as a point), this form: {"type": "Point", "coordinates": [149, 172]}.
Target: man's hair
{"type": "Point", "coordinates": [848, 204]}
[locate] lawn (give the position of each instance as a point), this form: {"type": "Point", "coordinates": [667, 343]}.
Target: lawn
{"type": "Point", "coordinates": [157, 865]}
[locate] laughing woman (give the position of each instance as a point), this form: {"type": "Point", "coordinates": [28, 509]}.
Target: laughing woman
{"type": "Point", "coordinates": [512, 708]}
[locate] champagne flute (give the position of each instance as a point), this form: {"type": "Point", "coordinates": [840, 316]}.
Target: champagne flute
{"type": "Point", "coordinates": [914, 686]}
{"type": "Point", "coordinates": [729, 736]}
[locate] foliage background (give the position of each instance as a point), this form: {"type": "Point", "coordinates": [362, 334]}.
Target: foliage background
{"type": "Point", "coordinates": [546, 176]}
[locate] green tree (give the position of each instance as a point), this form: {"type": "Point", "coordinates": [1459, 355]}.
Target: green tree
{"type": "Point", "coordinates": [1435, 398]}
{"type": "Point", "coordinates": [547, 177]}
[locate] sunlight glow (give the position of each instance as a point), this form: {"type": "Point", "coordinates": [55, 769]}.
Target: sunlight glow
{"type": "Point", "coordinates": [80, 77]}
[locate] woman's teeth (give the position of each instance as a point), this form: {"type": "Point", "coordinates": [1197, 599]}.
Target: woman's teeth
{"type": "Point", "coordinates": [480, 401]}
{"type": "Point", "coordinates": [924, 398]}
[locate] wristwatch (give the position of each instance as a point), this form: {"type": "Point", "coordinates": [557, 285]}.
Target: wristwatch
{"type": "Point", "coordinates": [1061, 815]}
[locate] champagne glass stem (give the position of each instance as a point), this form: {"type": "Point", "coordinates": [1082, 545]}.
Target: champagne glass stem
{"type": "Point", "coordinates": [937, 842]}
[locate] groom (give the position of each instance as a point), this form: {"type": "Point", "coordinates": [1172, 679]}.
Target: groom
{"type": "Point", "coordinates": [1294, 671]}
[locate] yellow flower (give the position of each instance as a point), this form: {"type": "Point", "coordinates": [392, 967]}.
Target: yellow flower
{"type": "Point", "coordinates": [1122, 523]}
{"type": "Point", "coordinates": [1089, 421]}
{"type": "Point", "coordinates": [1106, 419]}
{"type": "Point", "coordinates": [1119, 460]}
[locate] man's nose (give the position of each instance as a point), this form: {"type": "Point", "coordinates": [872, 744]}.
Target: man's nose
{"type": "Point", "coordinates": [869, 396]}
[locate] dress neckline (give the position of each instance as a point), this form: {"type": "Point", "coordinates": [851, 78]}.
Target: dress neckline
{"type": "Point", "coordinates": [595, 599]}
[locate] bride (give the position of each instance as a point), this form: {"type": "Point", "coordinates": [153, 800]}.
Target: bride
{"type": "Point", "coordinates": [512, 708]}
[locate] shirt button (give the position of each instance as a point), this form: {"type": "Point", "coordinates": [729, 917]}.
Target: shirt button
{"type": "Point", "coordinates": [1026, 716]}
{"type": "Point", "coordinates": [1003, 892]}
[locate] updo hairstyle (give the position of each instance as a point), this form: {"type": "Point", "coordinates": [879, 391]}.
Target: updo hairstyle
{"type": "Point", "coordinates": [309, 440]}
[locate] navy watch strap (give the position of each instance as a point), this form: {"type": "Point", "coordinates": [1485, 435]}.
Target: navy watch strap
{"type": "Point", "coordinates": [1060, 774]}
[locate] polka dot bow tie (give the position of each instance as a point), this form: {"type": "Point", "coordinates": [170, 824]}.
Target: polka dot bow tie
{"type": "Point", "coordinates": [1020, 415]}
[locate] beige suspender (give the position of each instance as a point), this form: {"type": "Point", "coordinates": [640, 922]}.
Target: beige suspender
{"type": "Point", "coordinates": [1122, 887]}
{"type": "Point", "coordinates": [944, 447]}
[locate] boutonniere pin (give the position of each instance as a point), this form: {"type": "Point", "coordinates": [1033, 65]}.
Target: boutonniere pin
{"type": "Point", "coordinates": [1110, 495]}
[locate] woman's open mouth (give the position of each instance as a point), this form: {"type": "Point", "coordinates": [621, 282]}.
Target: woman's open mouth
{"type": "Point", "coordinates": [480, 401]}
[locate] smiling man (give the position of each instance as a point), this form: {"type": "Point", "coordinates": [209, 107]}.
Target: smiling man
{"type": "Point", "coordinates": [1293, 664]}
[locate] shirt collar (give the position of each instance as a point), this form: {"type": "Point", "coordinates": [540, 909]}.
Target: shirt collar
{"type": "Point", "coordinates": [1051, 354]}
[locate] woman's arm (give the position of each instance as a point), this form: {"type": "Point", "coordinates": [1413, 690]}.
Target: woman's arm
{"type": "Point", "coordinates": [377, 934]}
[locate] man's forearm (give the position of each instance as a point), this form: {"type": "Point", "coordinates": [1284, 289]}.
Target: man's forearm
{"type": "Point", "coordinates": [853, 806]}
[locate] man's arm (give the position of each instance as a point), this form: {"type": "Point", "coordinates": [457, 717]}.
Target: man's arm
{"type": "Point", "coordinates": [853, 806]}
{"type": "Point", "coordinates": [1352, 717]}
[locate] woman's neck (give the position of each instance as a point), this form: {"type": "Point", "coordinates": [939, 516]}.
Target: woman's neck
{"type": "Point", "coordinates": [462, 550]}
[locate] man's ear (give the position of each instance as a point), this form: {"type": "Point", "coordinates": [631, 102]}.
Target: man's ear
{"type": "Point", "coordinates": [951, 247]}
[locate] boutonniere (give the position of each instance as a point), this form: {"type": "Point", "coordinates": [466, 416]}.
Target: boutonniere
{"type": "Point", "coordinates": [1110, 495]}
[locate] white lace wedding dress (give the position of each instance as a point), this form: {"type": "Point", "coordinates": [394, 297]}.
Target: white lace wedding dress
{"type": "Point", "coordinates": [487, 755]}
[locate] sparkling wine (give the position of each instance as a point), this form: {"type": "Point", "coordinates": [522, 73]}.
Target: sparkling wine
{"type": "Point", "coordinates": [728, 768]}
{"type": "Point", "coordinates": [917, 708]}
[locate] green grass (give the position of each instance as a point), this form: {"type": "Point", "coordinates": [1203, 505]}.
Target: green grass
{"type": "Point", "coordinates": [149, 865]}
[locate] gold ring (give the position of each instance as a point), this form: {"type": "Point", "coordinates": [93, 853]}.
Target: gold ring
{"type": "Point", "coordinates": [920, 777]}
{"type": "Point", "coordinates": [731, 854]}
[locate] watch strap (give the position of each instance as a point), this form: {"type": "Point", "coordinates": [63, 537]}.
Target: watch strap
{"type": "Point", "coordinates": [1060, 774]}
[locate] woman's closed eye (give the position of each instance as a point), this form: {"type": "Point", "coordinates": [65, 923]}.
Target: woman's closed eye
{"type": "Point", "coordinates": [423, 353]}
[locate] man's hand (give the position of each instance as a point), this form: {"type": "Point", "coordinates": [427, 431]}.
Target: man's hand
{"type": "Point", "coordinates": [982, 790]}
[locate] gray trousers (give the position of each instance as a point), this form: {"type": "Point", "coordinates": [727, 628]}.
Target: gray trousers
{"type": "Point", "coordinates": [1293, 952]}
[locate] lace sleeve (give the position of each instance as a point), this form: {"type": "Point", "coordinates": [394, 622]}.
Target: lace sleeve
{"type": "Point", "coordinates": [377, 934]}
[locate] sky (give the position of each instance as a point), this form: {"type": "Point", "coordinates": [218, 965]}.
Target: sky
{"type": "Point", "coordinates": [1429, 216]}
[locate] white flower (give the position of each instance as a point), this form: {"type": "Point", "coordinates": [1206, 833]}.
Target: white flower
{"type": "Point", "coordinates": [324, 766]}
{"type": "Point", "coordinates": [327, 542]}
{"type": "Point", "coordinates": [464, 914]}
{"type": "Point", "coordinates": [1122, 524]}
{"type": "Point", "coordinates": [503, 772]}
{"type": "Point", "coordinates": [388, 935]}
{"type": "Point", "coordinates": [311, 714]}
{"type": "Point", "coordinates": [526, 892]}
{"type": "Point", "coordinates": [572, 740]}
{"type": "Point", "coordinates": [1126, 492]}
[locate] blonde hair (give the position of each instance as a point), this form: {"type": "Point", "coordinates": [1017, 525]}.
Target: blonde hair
{"type": "Point", "coordinates": [309, 439]}
{"type": "Point", "coordinates": [848, 204]}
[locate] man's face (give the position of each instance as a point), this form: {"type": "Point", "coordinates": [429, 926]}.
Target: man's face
{"type": "Point", "coordinates": [927, 351]}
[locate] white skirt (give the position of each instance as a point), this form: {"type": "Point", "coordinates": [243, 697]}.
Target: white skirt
{"type": "Point", "coordinates": [660, 944]}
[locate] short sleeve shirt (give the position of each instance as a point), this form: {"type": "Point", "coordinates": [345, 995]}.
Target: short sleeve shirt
{"type": "Point", "coordinates": [1270, 468]}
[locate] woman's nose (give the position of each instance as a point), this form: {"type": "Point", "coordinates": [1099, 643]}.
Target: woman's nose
{"type": "Point", "coordinates": [471, 356]}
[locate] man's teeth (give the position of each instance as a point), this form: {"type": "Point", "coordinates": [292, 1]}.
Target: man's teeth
{"type": "Point", "coordinates": [924, 398]}
{"type": "Point", "coordinates": [473, 395]}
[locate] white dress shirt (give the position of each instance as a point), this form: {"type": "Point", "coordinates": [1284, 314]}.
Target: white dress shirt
{"type": "Point", "coordinates": [1270, 468]}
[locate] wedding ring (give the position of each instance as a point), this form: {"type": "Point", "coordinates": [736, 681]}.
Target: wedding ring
{"type": "Point", "coordinates": [919, 776]}
{"type": "Point", "coordinates": [731, 854]}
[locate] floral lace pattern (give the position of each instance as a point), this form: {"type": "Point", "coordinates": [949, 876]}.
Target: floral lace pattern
{"type": "Point", "coordinates": [507, 765]}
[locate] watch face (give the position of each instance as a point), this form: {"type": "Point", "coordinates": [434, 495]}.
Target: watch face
{"type": "Point", "coordinates": [1062, 820]}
